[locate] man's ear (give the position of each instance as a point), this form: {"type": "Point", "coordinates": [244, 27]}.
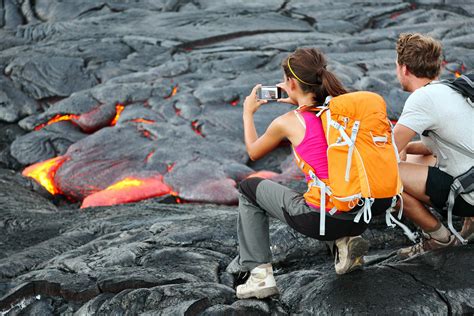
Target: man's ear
{"type": "Point", "coordinates": [405, 70]}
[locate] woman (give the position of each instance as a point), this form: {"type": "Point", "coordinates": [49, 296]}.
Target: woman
{"type": "Point", "coordinates": [308, 83]}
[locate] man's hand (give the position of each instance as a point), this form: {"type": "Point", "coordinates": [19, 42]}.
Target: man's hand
{"type": "Point", "coordinates": [403, 154]}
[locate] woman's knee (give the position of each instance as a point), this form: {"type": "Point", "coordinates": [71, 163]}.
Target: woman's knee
{"type": "Point", "coordinates": [248, 187]}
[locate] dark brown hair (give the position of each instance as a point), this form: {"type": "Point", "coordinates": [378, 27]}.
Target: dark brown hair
{"type": "Point", "coordinates": [421, 54]}
{"type": "Point", "coordinates": [309, 66]}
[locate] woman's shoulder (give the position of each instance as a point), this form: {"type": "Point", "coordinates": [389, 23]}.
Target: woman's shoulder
{"type": "Point", "coordinates": [287, 117]}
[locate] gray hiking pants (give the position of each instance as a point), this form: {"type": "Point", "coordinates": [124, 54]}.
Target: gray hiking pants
{"type": "Point", "coordinates": [259, 199]}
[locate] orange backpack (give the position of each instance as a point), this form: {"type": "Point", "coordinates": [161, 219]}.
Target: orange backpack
{"type": "Point", "coordinates": [362, 157]}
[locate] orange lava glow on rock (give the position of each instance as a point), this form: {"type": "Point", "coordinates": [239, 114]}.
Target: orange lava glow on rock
{"type": "Point", "coordinates": [235, 102]}
{"type": "Point", "coordinates": [263, 174]}
{"type": "Point", "coordinates": [197, 128]}
{"type": "Point", "coordinates": [457, 74]}
{"type": "Point", "coordinates": [174, 90]}
{"type": "Point", "coordinates": [119, 108]}
{"type": "Point", "coordinates": [43, 172]}
{"type": "Point", "coordinates": [171, 166]}
{"type": "Point", "coordinates": [57, 118]}
{"type": "Point", "coordinates": [141, 120]}
{"type": "Point", "coordinates": [128, 190]}
{"type": "Point", "coordinates": [149, 155]}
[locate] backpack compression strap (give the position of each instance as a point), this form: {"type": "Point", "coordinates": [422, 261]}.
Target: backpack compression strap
{"type": "Point", "coordinates": [462, 184]}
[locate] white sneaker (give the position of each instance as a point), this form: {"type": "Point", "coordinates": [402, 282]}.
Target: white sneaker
{"type": "Point", "coordinates": [260, 284]}
{"type": "Point", "coordinates": [349, 253]}
{"type": "Point", "coordinates": [467, 231]}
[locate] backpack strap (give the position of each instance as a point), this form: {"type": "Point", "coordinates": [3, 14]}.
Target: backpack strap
{"type": "Point", "coordinates": [464, 85]}
{"type": "Point", "coordinates": [462, 184]}
{"type": "Point", "coordinates": [298, 116]}
{"type": "Point", "coordinates": [365, 210]}
{"type": "Point", "coordinates": [450, 145]}
{"type": "Point", "coordinates": [322, 208]}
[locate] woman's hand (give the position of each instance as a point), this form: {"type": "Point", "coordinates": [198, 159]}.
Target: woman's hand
{"type": "Point", "coordinates": [251, 103]}
{"type": "Point", "coordinates": [285, 100]}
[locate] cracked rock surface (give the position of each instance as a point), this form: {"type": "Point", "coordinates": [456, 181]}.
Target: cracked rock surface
{"type": "Point", "coordinates": [155, 89]}
{"type": "Point", "coordinates": [150, 88]}
{"type": "Point", "coordinates": [154, 258]}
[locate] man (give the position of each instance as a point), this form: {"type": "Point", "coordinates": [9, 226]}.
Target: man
{"type": "Point", "coordinates": [444, 120]}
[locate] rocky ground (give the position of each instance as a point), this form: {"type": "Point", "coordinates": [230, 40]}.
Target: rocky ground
{"type": "Point", "coordinates": [153, 90]}
{"type": "Point", "coordinates": [161, 259]}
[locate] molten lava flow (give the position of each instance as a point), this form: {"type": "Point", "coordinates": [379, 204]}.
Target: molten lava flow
{"type": "Point", "coordinates": [177, 111]}
{"type": "Point", "coordinates": [235, 102]}
{"type": "Point", "coordinates": [141, 120]}
{"type": "Point", "coordinates": [149, 155]}
{"type": "Point", "coordinates": [128, 190]}
{"type": "Point", "coordinates": [43, 172]}
{"type": "Point", "coordinates": [119, 108]}
{"type": "Point", "coordinates": [263, 174]}
{"type": "Point", "coordinates": [457, 74]}
{"type": "Point", "coordinates": [57, 118]}
{"type": "Point", "coordinates": [197, 128]}
{"type": "Point", "coordinates": [171, 166]}
{"type": "Point", "coordinates": [176, 197]}
{"type": "Point", "coordinates": [395, 15]}
{"type": "Point", "coordinates": [174, 90]}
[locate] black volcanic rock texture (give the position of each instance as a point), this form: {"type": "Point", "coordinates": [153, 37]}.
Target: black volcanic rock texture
{"type": "Point", "coordinates": [179, 71]}
{"type": "Point", "coordinates": [154, 90]}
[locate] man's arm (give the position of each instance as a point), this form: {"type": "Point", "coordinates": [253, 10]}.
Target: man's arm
{"type": "Point", "coordinates": [403, 135]}
{"type": "Point", "coordinates": [417, 148]}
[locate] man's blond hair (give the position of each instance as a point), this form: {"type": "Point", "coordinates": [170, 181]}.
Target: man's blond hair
{"type": "Point", "coordinates": [420, 53]}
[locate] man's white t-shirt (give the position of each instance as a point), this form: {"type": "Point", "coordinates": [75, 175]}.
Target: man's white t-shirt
{"type": "Point", "coordinates": [440, 109]}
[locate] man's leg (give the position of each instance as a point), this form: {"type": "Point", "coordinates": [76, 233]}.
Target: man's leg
{"type": "Point", "coordinates": [415, 178]}
{"type": "Point", "coordinates": [414, 197]}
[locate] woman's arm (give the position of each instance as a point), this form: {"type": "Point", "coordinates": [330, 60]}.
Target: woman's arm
{"type": "Point", "coordinates": [257, 147]}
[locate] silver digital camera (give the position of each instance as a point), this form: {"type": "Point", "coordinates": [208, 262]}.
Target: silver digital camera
{"type": "Point", "coordinates": [269, 93]}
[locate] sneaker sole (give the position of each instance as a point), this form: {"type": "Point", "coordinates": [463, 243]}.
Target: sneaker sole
{"type": "Point", "coordinates": [264, 293]}
{"type": "Point", "coordinates": [358, 247]}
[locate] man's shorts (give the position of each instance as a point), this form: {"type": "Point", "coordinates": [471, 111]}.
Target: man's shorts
{"type": "Point", "coordinates": [438, 185]}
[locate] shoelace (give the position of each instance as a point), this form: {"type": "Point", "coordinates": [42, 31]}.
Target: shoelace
{"type": "Point", "coordinates": [417, 248]}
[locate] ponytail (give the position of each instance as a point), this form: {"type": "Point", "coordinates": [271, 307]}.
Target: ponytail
{"type": "Point", "coordinates": [331, 84]}
{"type": "Point", "coordinates": [308, 67]}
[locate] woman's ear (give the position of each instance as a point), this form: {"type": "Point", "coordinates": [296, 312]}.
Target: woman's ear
{"type": "Point", "coordinates": [292, 83]}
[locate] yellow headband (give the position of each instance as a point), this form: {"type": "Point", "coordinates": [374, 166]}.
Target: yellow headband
{"type": "Point", "coordinates": [309, 84]}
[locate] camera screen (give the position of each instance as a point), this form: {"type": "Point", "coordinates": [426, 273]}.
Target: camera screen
{"type": "Point", "coordinates": [269, 93]}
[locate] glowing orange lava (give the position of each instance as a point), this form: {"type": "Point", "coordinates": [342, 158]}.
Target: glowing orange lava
{"type": "Point", "coordinates": [197, 128]}
{"type": "Point", "coordinates": [174, 90]}
{"type": "Point", "coordinates": [263, 174]}
{"type": "Point", "coordinates": [44, 172]}
{"type": "Point", "coordinates": [149, 155]}
{"type": "Point", "coordinates": [171, 166]}
{"type": "Point", "coordinates": [235, 102]}
{"type": "Point", "coordinates": [128, 190]}
{"type": "Point", "coordinates": [141, 120]}
{"type": "Point", "coordinates": [457, 74]}
{"type": "Point", "coordinates": [57, 118]}
{"type": "Point", "coordinates": [119, 108]}
{"type": "Point", "coordinates": [176, 197]}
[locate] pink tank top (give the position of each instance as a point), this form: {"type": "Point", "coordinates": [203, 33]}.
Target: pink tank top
{"type": "Point", "coordinates": [313, 147]}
